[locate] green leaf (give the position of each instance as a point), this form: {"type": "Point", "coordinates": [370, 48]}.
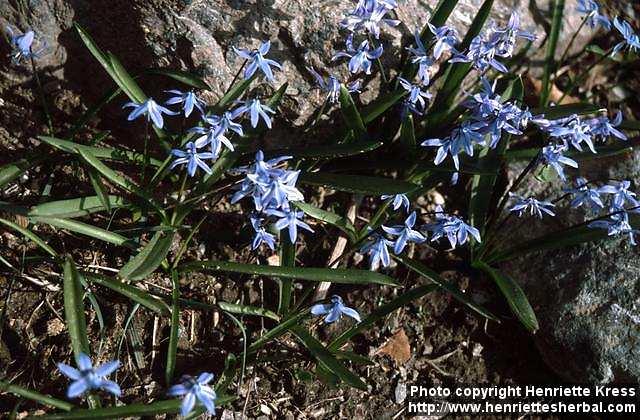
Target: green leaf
{"type": "Point", "coordinates": [149, 258]}
{"type": "Point", "coordinates": [95, 50]}
{"type": "Point", "coordinates": [561, 111]}
{"type": "Point", "coordinates": [74, 309]}
{"type": "Point", "coordinates": [182, 77]}
{"type": "Point", "coordinates": [324, 356]}
{"type": "Point", "coordinates": [99, 188]}
{"type": "Point", "coordinates": [108, 153]}
{"type": "Point", "coordinates": [86, 229]}
{"type": "Point", "coordinates": [234, 93]}
{"type": "Point", "coordinates": [140, 296]}
{"type": "Point", "coordinates": [34, 396]}
{"type": "Point", "coordinates": [75, 207]}
{"type": "Point", "coordinates": [602, 151]}
{"type": "Point", "coordinates": [287, 260]}
{"type": "Point", "coordinates": [380, 312]}
{"type": "Point", "coordinates": [358, 183]}
{"type": "Point", "coordinates": [125, 81]}
{"type": "Point", "coordinates": [12, 171]}
{"type": "Point", "coordinates": [550, 64]}
{"type": "Point", "coordinates": [380, 105]}
{"type": "Point", "coordinates": [559, 239]}
{"type": "Point", "coordinates": [235, 308]}
{"type": "Point", "coordinates": [351, 115]}
{"type": "Point", "coordinates": [449, 287]}
{"type": "Point", "coordinates": [515, 296]}
{"type": "Point", "coordinates": [127, 411]}
{"type": "Point", "coordinates": [30, 235]}
{"type": "Point", "coordinates": [330, 151]}
{"type": "Point", "coordinates": [278, 330]}
{"type": "Point", "coordinates": [332, 275]}
{"type": "Point", "coordinates": [92, 111]}
{"type": "Point", "coordinates": [457, 72]}
{"type": "Point", "coordinates": [172, 350]}
{"type": "Point", "coordinates": [340, 222]}
{"type": "Point", "coordinates": [407, 133]}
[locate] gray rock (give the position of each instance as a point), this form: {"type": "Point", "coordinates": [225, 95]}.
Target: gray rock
{"type": "Point", "coordinates": [587, 297]}
{"type": "Point", "coordinates": [197, 36]}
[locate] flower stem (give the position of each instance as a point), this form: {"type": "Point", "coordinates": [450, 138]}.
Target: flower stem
{"type": "Point", "coordinates": [43, 99]}
{"type": "Point", "coordinates": [566, 50]}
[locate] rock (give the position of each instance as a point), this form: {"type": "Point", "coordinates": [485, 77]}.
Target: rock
{"type": "Point", "coordinates": [197, 36]}
{"type": "Point", "coordinates": [587, 297]}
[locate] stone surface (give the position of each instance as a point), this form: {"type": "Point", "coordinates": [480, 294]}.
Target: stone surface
{"type": "Point", "coordinates": [197, 36]}
{"type": "Point", "coordinates": [587, 298]}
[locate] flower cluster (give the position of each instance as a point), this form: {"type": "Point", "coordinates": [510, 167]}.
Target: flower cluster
{"type": "Point", "coordinates": [272, 189]}
{"type": "Point", "coordinates": [87, 378]}
{"type": "Point", "coordinates": [487, 48]}
{"type": "Point", "coordinates": [398, 236]}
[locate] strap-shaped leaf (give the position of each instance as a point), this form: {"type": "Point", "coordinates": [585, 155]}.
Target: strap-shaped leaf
{"type": "Point", "coordinates": [380, 312]}
{"type": "Point", "coordinates": [380, 105]}
{"type": "Point", "coordinates": [29, 235]}
{"type": "Point", "coordinates": [330, 151]}
{"type": "Point", "coordinates": [431, 275]}
{"type": "Point", "coordinates": [324, 356]}
{"type": "Point", "coordinates": [351, 114]}
{"type": "Point", "coordinates": [234, 93]}
{"type": "Point", "coordinates": [86, 229]}
{"type": "Point", "coordinates": [457, 72]}
{"type": "Point", "coordinates": [75, 207]}
{"type": "Point", "coordinates": [140, 296]}
{"type": "Point", "coordinates": [34, 396]}
{"type": "Point", "coordinates": [550, 64]}
{"type": "Point", "coordinates": [12, 171]}
{"type": "Point", "coordinates": [128, 411]}
{"type": "Point", "coordinates": [182, 77]}
{"type": "Point", "coordinates": [149, 258]}
{"type": "Point", "coordinates": [340, 222]}
{"type": "Point", "coordinates": [235, 308]}
{"type": "Point", "coordinates": [359, 184]}
{"type": "Point", "coordinates": [278, 330]}
{"type": "Point", "coordinates": [561, 111]}
{"type": "Point", "coordinates": [74, 308]}
{"type": "Point", "coordinates": [514, 294]}
{"type": "Point", "coordinates": [99, 188]}
{"type": "Point", "coordinates": [333, 275]}
{"type": "Point", "coordinates": [109, 153]}
{"type": "Point", "coordinates": [408, 133]}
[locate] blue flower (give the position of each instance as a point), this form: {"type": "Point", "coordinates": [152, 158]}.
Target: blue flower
{"type": "Point", "coordinates": [421, 57]}
{"type": "Point", "coordinates": [376, 247]}
{"type": "Point", "coordinates": [631, 39]}
{"type": "Point", "coordinates": [446, 38]}
{"type": "Point", "coordinates": [151, 109]}
{"type": "Point", "coordinates": [572, 130]}
{"type": "Point", "coordinates": [398, 201]}
{"type": "Point", "coordinates": [193, 389]}
{"type": "Point", "coordinates": [405, 234]}
{"type": "Point", "coordinates": [87, 377]}
{"type": "Point", "coordinates": [461, 138]}
{"type": "Point", "coordinates": [292, 220]}
{"type": "Point", "coordinates": [451, 227]}
{"type": "Point", "coordinates": [192, 158]}
{"type": "Point", "coordinates": [603, 127]}
{"type": "Point", "coordinates": [188, 99]}
{"type": "Point", "coordinates": [621, 194]}
{"type": "Point", "coordinates": [269, 186]}
{"type": "Point", "coordinates": [482, 54]}
{"type": "Point", "coordinates": [215, 133]}
{"type": "Point", "coordinates": [255, 110]}
{"type": "Point", "coordinates": [22, 45]}
{"type": "Point", "coordinates": [504, 39]}
{"type": "Point", "coordinates": [617, 224]}
{"type": "Point", "coordinates": [417, 96]}
{"type": "Point", "coordinates": [360, 58]}
{"type": "Point", "coordinates": [553, 155]}
{"type": "Point", "coordinates": [261, 236]}
{"type": "Point", "coordinates": [334, 310]}
{"type": "Point", "coordinates": [332, 85]}
{"type": "Point", "coordinates": [369, 14]}
{"type": "Point", "coordinates": [591, 9]}
{"type": "Point", "coordinates": [590, 197]}
{"type": "Point", "coordinates": [258, 61]}
{"type": "Point", "coordinates": [535, 207]}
